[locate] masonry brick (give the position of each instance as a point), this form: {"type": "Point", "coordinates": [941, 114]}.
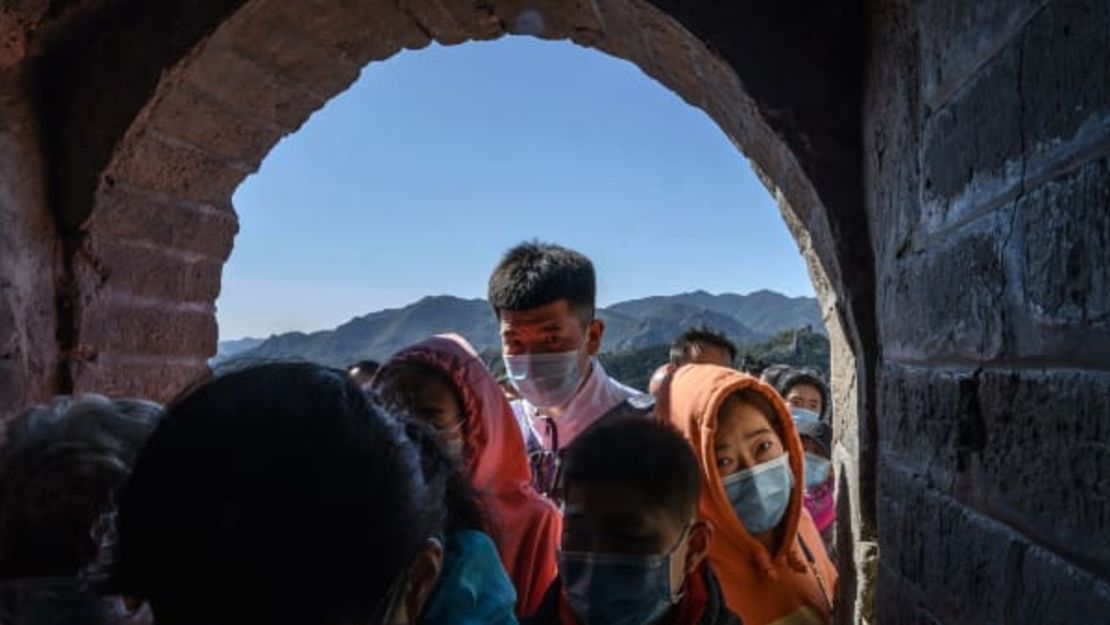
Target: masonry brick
{"type": "Point", "coordinates": [962, 563]}
{"type": "Point", "coordinates": [957, 38]}
{"type": "Point", "coordinates": [894, 133]}
{"type": "Point", "coordinates": [1063, 247]}
{"type": "Point", "coordinates": [154, 272]}
{"type": "Point", "coordinates": [671, 59]}
{"type": "Point", "coordinates": [620, 34]}
{"type": "Point", "coordinates": [116, 323]}
{"type": "Point", "coordinates": [164, 220]}
{"type": "Point", "coordinates": [1065, 77]}
{"type": "Point", "coordinates": [362, 31]}
{"type": "Point", "coordinates": [149, 378]}
{"type": "Point", "coordinates": [947, 302]}
{"type": "Point", "coordinates": [972, 148]}
{"type": "Point", "coordinates": [450, 23]}
{"type": "Point", "coordinates": [151, 163]}
{"type": "Point", "coordinates": [1045, 464]}
{"type": "Point", "coordinates": [902, 603]}
{"type": "Point", "coordinates": [248, 88]}
{"type": "Point", "coordinates": [921, 411]}
{"type": "Point", "coordinates": [1048, 591]}
{"type": "Point", "coordinates": [548, 19]}
{"type": "Point", "coordinates": [272, 36]}
{"type": "Point", "coordinates": [195, 118]}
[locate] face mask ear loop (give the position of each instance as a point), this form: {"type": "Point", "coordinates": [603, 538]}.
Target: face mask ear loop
{"type": "Point", "coordinates": [677, 596]}
{"type": "Point", "coordinates": [816, 572]}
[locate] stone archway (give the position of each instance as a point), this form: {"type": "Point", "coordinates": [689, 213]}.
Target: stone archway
{"type": "Point", "coordinates": [146, 164]}
{"type": "Point", "coordinates": [161, 221]}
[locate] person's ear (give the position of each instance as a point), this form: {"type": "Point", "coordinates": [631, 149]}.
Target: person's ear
{"type": "Point", "coordinates": [423, 575]}
{"type": "Point", "coordinates": [594, 331]}
{"type": "Point", "coordinates": [697, 549]}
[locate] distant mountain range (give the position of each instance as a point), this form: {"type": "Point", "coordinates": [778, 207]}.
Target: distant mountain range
{"type": "Point", "coordinates": [631, 325]}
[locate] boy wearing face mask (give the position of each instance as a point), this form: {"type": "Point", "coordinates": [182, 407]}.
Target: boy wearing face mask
{"type": "Point", "coordinates": [543, 296]}
{"type": "Point", "coordinates": [633, 549]}
{"type": "Point", "coordinates": [766, 550]}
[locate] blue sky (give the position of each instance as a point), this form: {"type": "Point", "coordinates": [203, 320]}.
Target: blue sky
{"type": "Point", "coordinates": [415, 180]}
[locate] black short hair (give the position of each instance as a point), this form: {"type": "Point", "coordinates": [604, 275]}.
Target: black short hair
{"type": "Point", "coordinates": [640, 453]}
{"type": "Point", "coordinates": [535, 274]}
{"type": "Point", "coordinates": [279, 493]}
{"type": "Point", "coordinates": [685, 348]}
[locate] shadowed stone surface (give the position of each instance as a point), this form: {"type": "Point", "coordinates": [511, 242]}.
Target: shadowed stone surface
{"type": "Point", "coordinates": [986, 171]}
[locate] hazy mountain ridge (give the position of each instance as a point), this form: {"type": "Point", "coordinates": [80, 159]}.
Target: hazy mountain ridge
{"type": "Point", "coordinates": [631, 325]}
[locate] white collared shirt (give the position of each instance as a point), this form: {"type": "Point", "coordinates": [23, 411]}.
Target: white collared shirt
{"type": "Point", "coordinates": [597, 396]}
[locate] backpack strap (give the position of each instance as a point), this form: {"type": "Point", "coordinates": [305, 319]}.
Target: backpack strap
{"type": "Point", "coordinates": [547, 464]}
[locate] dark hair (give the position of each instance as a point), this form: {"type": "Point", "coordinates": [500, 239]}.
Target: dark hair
{"type": "Point", "coordinates": [397, 399]}
{"type": "Point", "coordinates": [643, 454]}
{"type": "Point", "coordinates": [785, 377]}
{"type": "Point", "coordinates": [278, 493]}
{"type": "Point", "coordinates": [754, 398]}
{"type": "Point", "coordinates": [464, 506]}
{"type": "Point", "coordinates": [363, 370]}
{"type": "Point", "coordinates": [534, 274]}
{"type": "Point", "coordinates": [686, 347]}
{"type": "Point", "coordinates": [61, 469]}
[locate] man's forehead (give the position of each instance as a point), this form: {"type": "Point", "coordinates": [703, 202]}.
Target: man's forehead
{"type": "Point", "coordinates": [554, 312]}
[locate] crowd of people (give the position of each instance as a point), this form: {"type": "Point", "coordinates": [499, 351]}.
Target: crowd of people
{"type": "Point", "coordinates": [420, 490]}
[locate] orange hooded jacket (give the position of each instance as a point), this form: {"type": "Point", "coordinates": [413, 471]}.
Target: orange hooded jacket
{"type": "Point", "coordinates": [528, 526]}
{"type": "Point", "coordinates": [788, 586]}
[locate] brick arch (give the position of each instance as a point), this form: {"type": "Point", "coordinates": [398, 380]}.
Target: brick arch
{"type": "Point", "coordinates": [161, 222]}
{"type": "Point", "coordinates": [148, 248]}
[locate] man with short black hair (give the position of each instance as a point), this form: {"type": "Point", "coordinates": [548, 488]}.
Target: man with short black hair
{"type": "Point", "coordinates": [633, 549]}
{"type": "Point", "coordinates": [544, 298]}
{"type": "Point", "coordinates": [703, 346]}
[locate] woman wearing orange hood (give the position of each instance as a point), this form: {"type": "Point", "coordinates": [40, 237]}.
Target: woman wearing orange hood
{"type": "Point", "coordinates": [443, 382]}
{"type": "Point", "coordinates": [766, 552]}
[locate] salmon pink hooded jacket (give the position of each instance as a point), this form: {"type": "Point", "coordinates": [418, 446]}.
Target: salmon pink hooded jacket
{"type": "Point", "coordinates": [527, 526]}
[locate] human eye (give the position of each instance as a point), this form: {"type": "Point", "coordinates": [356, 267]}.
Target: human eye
{"type": "Point", "coordinates": [762, 448]}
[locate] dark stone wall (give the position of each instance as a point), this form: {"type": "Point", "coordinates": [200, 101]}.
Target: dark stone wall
{"type": "Point", "coordinates": [987, 142]}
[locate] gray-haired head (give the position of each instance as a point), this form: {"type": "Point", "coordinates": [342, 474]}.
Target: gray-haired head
{"type": "Point", "coordinates": [61, 467]}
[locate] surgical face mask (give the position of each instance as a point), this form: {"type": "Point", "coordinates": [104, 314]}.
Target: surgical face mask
{"type": "Point", "coordinates": [618, 589]}
{"type": "Point", "coordinates": [545, 380]}
{"type": "Point", "coordinates": [817, 470]}
{"type": "Point", "coordinates": [760, 495]}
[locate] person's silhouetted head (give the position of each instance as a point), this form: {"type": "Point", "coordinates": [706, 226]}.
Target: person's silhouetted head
{"type": "Point", "coordinates": [280, 494]}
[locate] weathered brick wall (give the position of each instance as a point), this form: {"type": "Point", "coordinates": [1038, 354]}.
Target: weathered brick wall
{"type": "Point", "coordinates": [153, 113]}
{"type": "Point", "coordinates": [28, 256]}
{"type": "Point", "coordinates": [987, 130]}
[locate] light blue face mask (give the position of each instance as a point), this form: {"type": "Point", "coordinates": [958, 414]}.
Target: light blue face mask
{"type": "Point", "coordinates": [760, 495]}
{"type": "Point", "coordinates": [545, 380]}
{"type": "Point", "coordinates": [817, 470]}
{"type": "Point", "coordinates": [618, 589]}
